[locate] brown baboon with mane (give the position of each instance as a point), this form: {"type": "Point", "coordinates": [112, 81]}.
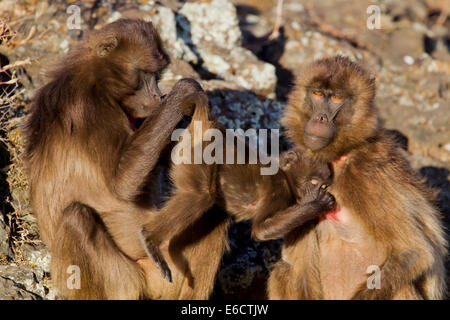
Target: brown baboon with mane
{"type": "Point", "coordinates": [384, 214]}
{"type": "Point", "coordinates": [88, 164]}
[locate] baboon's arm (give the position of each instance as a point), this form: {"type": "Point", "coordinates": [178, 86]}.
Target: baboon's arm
{"type": "Point", "coordinates": [142, 150]}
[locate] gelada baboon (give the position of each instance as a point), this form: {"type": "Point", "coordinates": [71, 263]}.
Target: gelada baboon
{"type": "Point", "coordinates": [383, 217]}
{"type": "Point", "coordinates": [308, 179]}
{"type": "Point", "coordinates": [88, 164]}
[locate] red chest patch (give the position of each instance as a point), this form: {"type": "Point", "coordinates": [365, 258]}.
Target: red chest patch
{"type": "Point", "coordinates": [331, 215]}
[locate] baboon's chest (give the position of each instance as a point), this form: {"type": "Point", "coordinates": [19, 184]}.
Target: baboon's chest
{"type": "Point", "coordinates": [346, 252]}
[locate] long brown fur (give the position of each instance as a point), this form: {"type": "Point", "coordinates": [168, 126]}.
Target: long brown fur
{"type": "Point", "coordinates": [244, 193]}
{"type": "Point", "coordinates": [387, 218]}
{"type": "Point", "coordinates": [239, 189]}
{"type": "Point", "coordinates": [88, 167]}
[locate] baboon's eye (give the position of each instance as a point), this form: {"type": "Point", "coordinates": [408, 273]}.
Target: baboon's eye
{"type": "Point", "coordinates": [317, 95]}
{"type": "Point", "coordinates": [336, 99]}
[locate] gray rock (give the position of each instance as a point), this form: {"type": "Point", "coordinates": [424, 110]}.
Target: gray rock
{"type": "Point", "coordinates": [10, 290]}
{"type": "Point", "coordinates": [212, 30]}
{"type": "Point", "coordinates": [4, 237]}
{"type": "Point", "coordinates": [39, 256]}
{"type": "Point", "coordinates": [23, 282]}
{"type": "Point", "coordinates": [165, 23]}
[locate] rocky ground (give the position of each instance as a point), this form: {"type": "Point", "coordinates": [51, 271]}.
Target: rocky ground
{"type": "Point", "coordinates": [226, 46]}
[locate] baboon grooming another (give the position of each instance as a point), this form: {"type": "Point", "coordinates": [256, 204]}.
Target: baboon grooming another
{"type": "Point", "coordinates": [383, 215]}
{"type": "Point", "coordinates": [88, 164]}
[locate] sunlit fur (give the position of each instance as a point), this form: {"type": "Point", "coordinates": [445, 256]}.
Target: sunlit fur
{"type": "Point", "coordinates": [387, 215]}
{"type": "Point", "coordinates": [87, 166]}
{"type": "Point", "coordinates": [353, 83]}
{"type": "Point", "coordinates": [238, 189]}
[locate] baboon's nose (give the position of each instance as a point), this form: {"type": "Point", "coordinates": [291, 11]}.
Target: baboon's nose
{"type": "Point", "coordinates": [322, 118]}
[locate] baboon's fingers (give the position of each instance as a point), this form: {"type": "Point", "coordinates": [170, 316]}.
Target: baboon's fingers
{"type": "Point", "coordinates": [154, 253]}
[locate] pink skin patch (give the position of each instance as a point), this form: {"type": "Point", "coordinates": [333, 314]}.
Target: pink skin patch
{"type": "Point", "coordinates": [333, 214]}
{"type": "Point", "coordinates": [338, 162]}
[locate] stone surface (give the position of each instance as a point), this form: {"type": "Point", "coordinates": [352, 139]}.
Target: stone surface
{"type": "Point", "coordinates": [211, 28]}
{"type": "Point", "coordinates": [4, 237]}
{"type": "Point", "coordinates": [22, 282]}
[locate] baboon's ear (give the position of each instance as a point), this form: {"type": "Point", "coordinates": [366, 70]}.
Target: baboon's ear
{"type": "Point", "coordinates": [106, 46]}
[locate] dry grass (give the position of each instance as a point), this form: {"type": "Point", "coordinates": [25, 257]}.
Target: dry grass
{"type": "Point", "coordinates": [22, 225]}
{"type": "Point", "coordinates": [6, 33]}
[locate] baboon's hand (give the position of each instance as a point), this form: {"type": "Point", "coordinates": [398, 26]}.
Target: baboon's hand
{"type": "Point", "coordinates": [188, 93]}
{"type": "Point", "coordinates": [314, 190]}
{"type": "Point", "coordinates": [154, 253]}
{"type": "Point", "coordinates": [317, 193]}
{"type": "Point", "coordinates": [326, 200]}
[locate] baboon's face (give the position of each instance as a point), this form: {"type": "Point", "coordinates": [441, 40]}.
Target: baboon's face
{"type": "Point", "coordinates": [331, 109]}
{"type": "Point", "coordinates": [133, 57]}
{"type": "Point", "coordinates": [305, 171]}
{"type": "Point", "coordinates": [325, 104]}
{"type": "Point", "coordinates": [146, 97]}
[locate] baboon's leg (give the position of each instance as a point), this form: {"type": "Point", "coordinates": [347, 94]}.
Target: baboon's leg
{"type": "Point", "coordinates": [203, 254]}
{"type": "Point", "coordinates": [105, 272]}
{"type": "Point", "coordinates": [397, 273]}
{"type": "Point", "coordinates": [181, 211]}
{"type": "Point", "coordinates": [286, 284]}
{"type": "Point", "coordinates": [195, 194]}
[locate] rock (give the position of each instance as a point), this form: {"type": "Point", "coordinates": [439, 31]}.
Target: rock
{"type": "Point", "coordinates": [213, 22]}
{"type": "Point", "coordinates": [415, 102]}
{"type": "Point", "coordinates": [4, 237]}
{"type": "Point", "coordinates": [164, 21]}
{"type": "Point", "coordinates": [37, 256]}
{"type": "Point", "coordinates": [22, 282]}
{"type": "Point", "coordinates": [246, 267]}
{"type": "Point", "coordinates": [176, 70]}
{"type": "Point", "coordinates": [10, 290]}
{"type": "Point", "coordinates": [243, 109]}
{"type": "Point", "coordinates": [405, 42]}
{"type": "Point", "coordinates": [312, 45]}
{"type": "Point", "coordinates": [212, 30]}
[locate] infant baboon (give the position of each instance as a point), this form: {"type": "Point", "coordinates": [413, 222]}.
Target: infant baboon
{"type": "Point", "coordinates": [308, 179]}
